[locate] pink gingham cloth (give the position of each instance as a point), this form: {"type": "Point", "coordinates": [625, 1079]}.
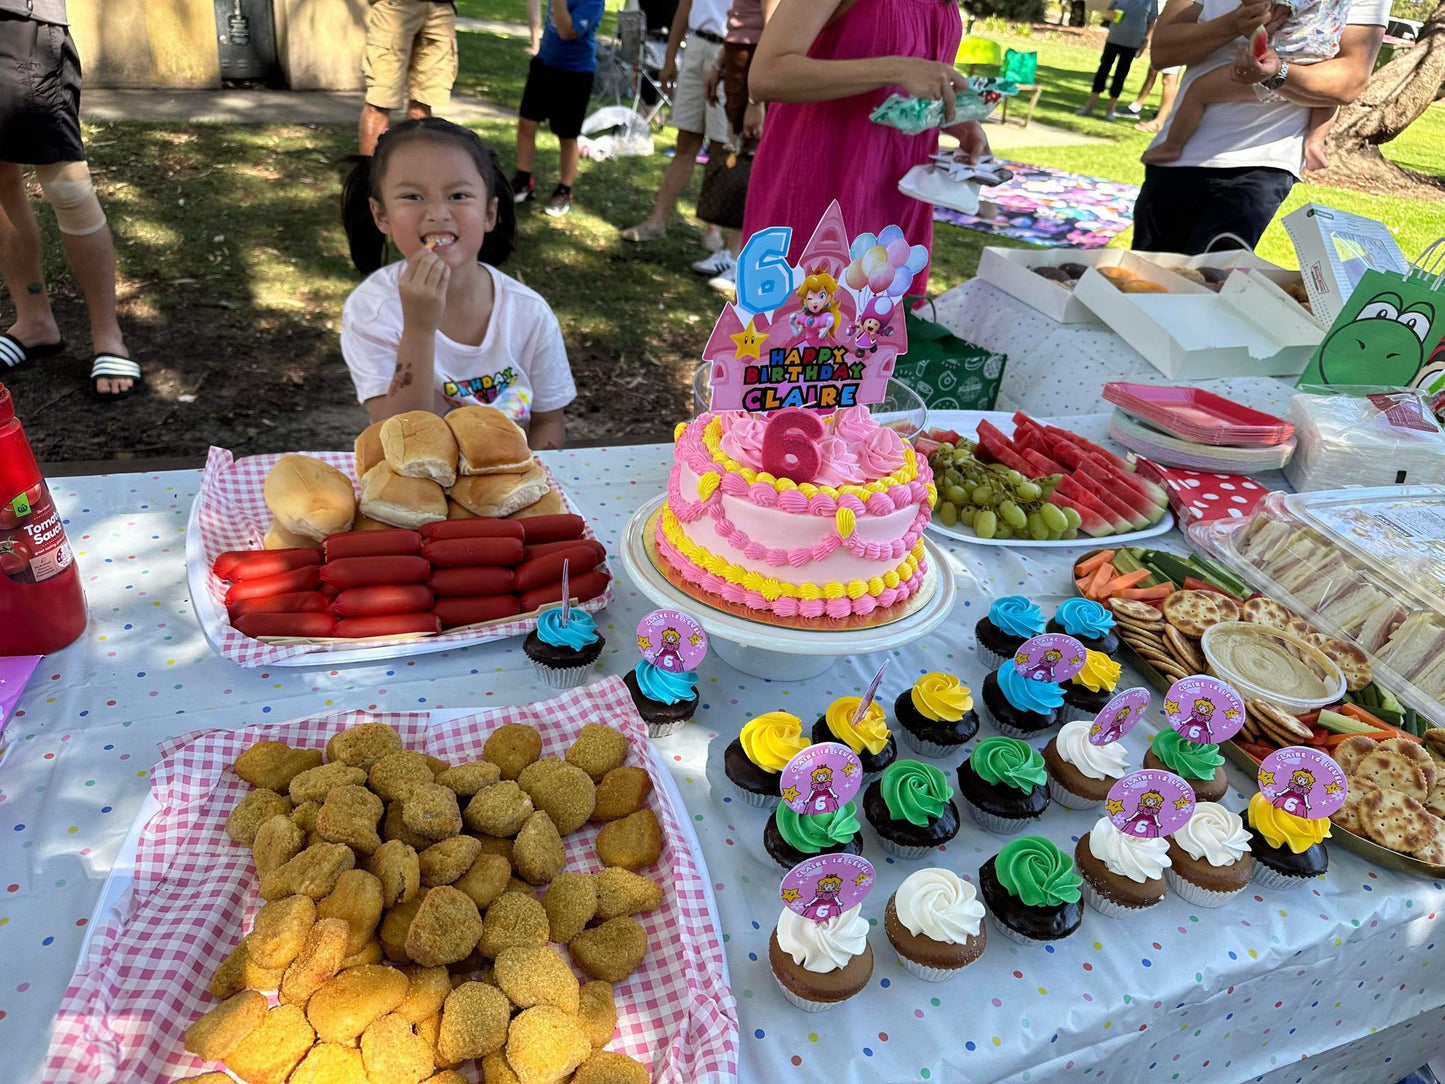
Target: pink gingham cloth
{"type": "Point", "coordinates": [145, 978]}
{"type": "Point", "coordinates": [232, 515]}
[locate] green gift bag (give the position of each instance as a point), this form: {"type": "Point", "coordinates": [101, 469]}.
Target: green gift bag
{"type": "Point", "coordinates": [1021, 68]}
{"type": "Point", "coordinates": [947, 372]}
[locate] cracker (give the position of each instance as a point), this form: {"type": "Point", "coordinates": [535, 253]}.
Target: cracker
{"type": "Point", "coordinates": [1435, 741]}
{"type": "Point", "coordinates": [1131, 609]}
{"type": "Point", "coordinates": [1348, 815]}
{"type": "Point", "coordinates": [1351, 751]}
{"type": "Point", "coordinates": [1435, 800]}
{"type": "Point", "coordinates": [1191, 612]}
{"type": "Point", "coordinates": [1183, 649]}
{"type": "Point", "coordinates": [1413, 751]}
{"type": "Point", "coordinates": [1396, 820]}
{"type": "Point", "coordinates": [1352, 661]}
{"type": "Point", "coordinates": [1278, 721]}
{"type": "Point", "coordinates": [1268, 612]}
{"type": "Point", "coordinates": [1434, 851]}
{"type": "Point", "coordinates": [1391, 771]}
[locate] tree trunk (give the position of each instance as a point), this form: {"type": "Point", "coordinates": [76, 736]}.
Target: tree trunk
{"type": "Point", "coordinates": [1397, 94]}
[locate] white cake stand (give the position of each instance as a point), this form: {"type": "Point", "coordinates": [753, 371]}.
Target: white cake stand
{"type": "Point", "coordinates": [780, 653]}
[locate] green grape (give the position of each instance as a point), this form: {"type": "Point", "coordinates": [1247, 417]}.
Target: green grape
{"type": "Point", "coordinates": [961, 455]}
{"type": "Point", "coordinates": [951, 477]}
{"type": "Point", "coordinates": [983, 497]}
{"type": "Point", "coordinates": [1053, 517]}
{"type": "Point", "coordinates": [948, 513]}
{"type": "Point", "coordinates": [1004, 531]}
{"type": "Point", "coordinates": [1073, 519]}
{"type": "Point", "coordinates": [1029, 491]}
{"type": "Point", "coordinates": [1038, 530]}
{"type": "Point", "coordinates": [956, 494]}
{"type": "Point", "coordinates": [966, 515]}
{"type": "Point", "coordinates": [1070, 533]}
{"type": "Point", "coordinates": [946, 446]}
{"type": "Point", "coordinates": [985, 524]}
{"type": "Point", "coordinates": [1012, 514]}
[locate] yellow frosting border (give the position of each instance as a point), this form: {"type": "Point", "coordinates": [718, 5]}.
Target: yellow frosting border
{"type": "Point", "coordinates": [712, 441]}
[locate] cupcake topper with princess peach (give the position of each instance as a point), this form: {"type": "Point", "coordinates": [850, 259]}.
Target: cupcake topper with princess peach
{"type": "Point", "coordinates": [823, 778]}
{"type": "Point", "coordinates": [824, 886]}
{"type": "Point", "coordinates": [1051, 657]}
{"type": "Point", "coordinates": [671, 640]}
{"type": "Point", "coordinates": [1203, 710]}
{"type": "Point", "coordinates": [1148, 804]}
{"type": "Point", "coordinates": [1303, 782]}
{"type": "Point", "coordinates": [1119, 716]}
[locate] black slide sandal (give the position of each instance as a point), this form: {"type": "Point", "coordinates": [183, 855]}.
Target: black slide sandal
{"type": "Point", "coordinates": [14, 354]}
{"type": "Point", "coordinates": [113, 366]}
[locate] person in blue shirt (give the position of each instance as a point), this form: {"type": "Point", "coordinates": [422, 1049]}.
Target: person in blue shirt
{"type": "Point", "coordinates": [1131, 23]}
{"type": "Point", "coordinates": [559, 82]}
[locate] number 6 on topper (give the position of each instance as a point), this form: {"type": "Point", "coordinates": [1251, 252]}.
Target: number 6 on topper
{"type": "Point", "coordinates": [764, 277]}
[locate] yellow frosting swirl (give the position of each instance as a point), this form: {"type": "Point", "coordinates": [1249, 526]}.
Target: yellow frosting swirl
{"type": "Point", "coordinates": [871, 732]}
{"type": "Point", "coordinates": [773, 739]}
{"type": "Point", "coordinates": [1100, 673]}
{"type": "Point", "coordinates": [1281, 829]}
{"type": "Point", "coordinates": [941, 698]}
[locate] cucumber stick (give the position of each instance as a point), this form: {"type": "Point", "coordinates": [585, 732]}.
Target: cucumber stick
{"type": "Point", "coordinates": [1343, 724]}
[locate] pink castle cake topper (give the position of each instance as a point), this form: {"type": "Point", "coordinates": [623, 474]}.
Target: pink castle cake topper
{"type": "Point", "coordinates": [822, 334]}
{"type": "Point", "coordinates": [1203, 710]}
{"type": "Point", "coordinates": [825, 886]}
{"type": "Point", "coordinates": [1119, 716]}
{"type": "Point", "coordinates": [671, 640]}
{"type": "Point", "coordinates": [1050, 657]}
{"type": "Point", "coordinates": [822, 778]}
{"type": "Point", "coordinates": [1148, 804]}
{"type": "Point", "coordinates": [1304, 782]}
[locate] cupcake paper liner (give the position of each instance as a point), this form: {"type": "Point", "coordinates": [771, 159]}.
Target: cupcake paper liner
{"type": "Point", "coordinates": [803, 1003]}
{"type": "Point", "coordinates": [1273, 878]}
{"type": "Point", "coordinates": [761, 801]}
{"type": "Point", "coordinates": [1190, 892]}
{"type": "Point", "coordinates": [1068, 799]}
{"type": "Point", "coordinates": [929, 974]}
{"type": "Point", "coordinates": [1014, 732]}
{"type": "Point", "coordinates": [926, 748]}
{"type": "Point", "coordinates": [564, 677]}
{"type": "Point", "coordinates": [1002, 826]}
{"type": "Point", "coordinates": [1070, 714]}
{"type": "Point", "coordinates": [662, 730]}
{"type": "Point", "coordinates": [1107, 907]}
{"type": "Point", "coordinates": [992, 659]}
{"type": "Point", "coordinates": [1012, 934]}
{"type": "Point", "coordinates": [899, 851]}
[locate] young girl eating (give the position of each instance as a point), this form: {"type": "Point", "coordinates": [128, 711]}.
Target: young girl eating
{"type": "Point", "coordinates": [442, 327]}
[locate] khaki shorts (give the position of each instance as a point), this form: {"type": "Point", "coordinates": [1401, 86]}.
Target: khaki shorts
{"type": "Point", "coordinates": [411, 53]}
{"type": "Point", "coordinates": [691, 111]}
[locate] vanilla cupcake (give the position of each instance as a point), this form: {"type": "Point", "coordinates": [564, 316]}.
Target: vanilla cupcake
{"type": "Point", "coordinates": [935, 924]}
{"type": "Point", "coordinates": [1123, 874]}
{"type": "Point", "coordinates": [1088, 691]}
{"type": "Point", "coordinates": [755, 757]}
{"type": "Point", "coordinates": [1209, 859]}
{"type": "Point", "coordinates": [1080, 772]}
{"type": "Point", "coordinates": [936, 716]}
{"type": "Point", "coordinates": [820, 964]}
{"type": "Point", "coordinates": [868, 737]}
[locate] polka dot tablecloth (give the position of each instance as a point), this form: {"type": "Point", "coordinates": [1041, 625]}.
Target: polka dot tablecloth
{"type": "Point", "coordinates": [1343, 970]}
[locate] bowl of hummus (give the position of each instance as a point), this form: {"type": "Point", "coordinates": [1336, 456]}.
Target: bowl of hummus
{"type": "Point", "coordinates": [1266, 664]}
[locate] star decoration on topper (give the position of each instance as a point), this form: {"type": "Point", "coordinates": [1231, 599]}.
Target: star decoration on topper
{"type": "Point", "coordinates": [1114, 806]}
{"type": "Point", "coordinates": [1266, 779]}
{"type": "Point", "coordinates": [1332, 788]}
{"type": "Point", "coordinates": [1183, 802]}
{"type": "Point", "coordinates": [1171, 707]}
{"type": "Point", "coordinates": [644, 642]}
{"type": "Point", "coordinates": [1075, 659]}
{"type": "Point", "coordinates": [695, 639]}
{"type": "Point", "coordinates": [850, 768]}
{"type": "Point", "coordinates": [1021, 659]}
{"type": "Point", "coordinates": [790, 795]}
{"type": "Point", "coordinates": [1096, 729]}
{"type": "Point", "coordinates": [1230, 713]}
{"type": "Point", "coordinates": [749, 340]}
{"type": "Point", "coordinates": [790, 894]}
{"type": "Point", "coordinates": [863, 878]}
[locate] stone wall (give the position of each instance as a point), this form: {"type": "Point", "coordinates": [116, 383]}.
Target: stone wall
{"type": "Point", "coordinates": [320, 43]}
{"type": "Point", "coordinates": [146, 43]}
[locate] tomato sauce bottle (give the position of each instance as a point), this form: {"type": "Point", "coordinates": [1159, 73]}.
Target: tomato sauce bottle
{"type": "Point", "coordinates": [42, 606]}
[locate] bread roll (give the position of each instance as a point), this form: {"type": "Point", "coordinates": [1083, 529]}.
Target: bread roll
{"type": "Point", "coordinates": [279, 538]}
{"type": "Point", "coordinates": [418, 444]}
{"type": "Point", "coordinates": [366, 523]}
{"type": "Point", "coordinates": [549, 505]}
{"type": "Point", "coordinates": [309, 497]}
{"type": "Point", "coordinates": [456, 511]}
{"type": "Point", "coordinates": [488, 442]}
{"type": "Point", "coordinates": [499, 494]}
{"type": "Point", "coordinates": [368, 449]}
{"type": "Point", "coordinates": [400, 501]}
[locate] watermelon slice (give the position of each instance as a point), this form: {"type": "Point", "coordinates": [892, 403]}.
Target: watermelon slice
{"type": "Point", "coordinates": [1070, 488]}
{"type": "Point", "coordinates": [1090, 522]}
{"type": "Point", "coordinates": [944, 436]}
{"type": "Point", "coordinates": [990, 435]}
{"type": "Point", "coordinates": [1259, 42]}
{"type": "Point", "coordinates": [1114, 499]}
{"type": "Point", "coordinates": [1088, 446]}
{"type": "Point", "coordinates": [1041, 465]}
{"type": "Point", "coordinates": [1142, 486]}
{"type": "Point", "coordinates": [996, 446]}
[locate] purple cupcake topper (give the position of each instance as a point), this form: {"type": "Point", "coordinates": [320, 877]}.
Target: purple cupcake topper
{"type": "Point", "coordinates": [1203, 710]}
{"type": "Point", "coordinates": [671, 640]}
{"type": "Point", "coordinates": [1119, 716]}
{"type": "Point", "coordinates": [870, 693]}
{"type": "Point", "coordinates": [1051, 657]}
{"type": "Point", "coordinates": [822, 778]}
{"type": "Point", "coordinates": [1303, 782]}
{"type": "Point", "coordinates": [1149, 804]}
{"type": "Point", "coordinates": [824, 887]}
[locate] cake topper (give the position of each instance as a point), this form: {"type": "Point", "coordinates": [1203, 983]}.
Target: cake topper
{"type": "Point", "coordinates": [826, 885]}
{"type": "Point", "coordinates": [566, 593]}
{"type": "Point", "coordinates": [1050, 657]}
{"type": "Point", "coordinates": [1304, 782]}
{"type": "Point", "coordinates": [1119, 716]}
{"type": "Point", "coordinates": [869, 693]}
{"type": "Point", "coordinates": [823, 778]}
{"type": "Point", "coordinates": [1203, 710]}
{"type": "Point", "coordinates": [1148, 804]}
{"type": "Point", "coordinates": [671, 640]}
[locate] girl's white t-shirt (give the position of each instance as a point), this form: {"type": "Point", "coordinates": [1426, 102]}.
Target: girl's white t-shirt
{"type": "Point", "coordinates": [519, 367]}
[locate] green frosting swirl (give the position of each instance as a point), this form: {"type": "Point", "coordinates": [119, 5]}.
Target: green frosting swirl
{"type": "Point", "coordinates": [1037, 872]}
{"type": "Point", "coordinates": [1009, 761]}
{"type": "Point", "coordinates": [814, 833]}
{"type": "Point", "coordinates": [914, 792]}
{"type": "Point", "coordinates": [1186, 758]}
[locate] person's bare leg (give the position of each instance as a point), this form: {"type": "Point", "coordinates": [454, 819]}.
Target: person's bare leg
{"type": "Point", "coordinates": [20, 261]}
{"type": "Point", "coordinates": [1322, 120]}
{"type": "Point", "coordinates": [374, 122]}
{"type": "Point", "coordinates": [92, 259]}
{"type": "Point", "coordinates": [568, 155]}
{"type": "Point", "coordinates": [415, 110]}
{"type": "Point", "coordinates": [1088, 109]}
{"type": "Point", "coordinates": [1166, 105]}
{"type": "Point", "coordinates": [527, 144]}
{"type": "Point", "coordinates": [534, 26]}
{"type": "Point", "coordinates": [1216, 86]}
{"type": "Point", "coordinates": [674, 181]}
{"type": "Point", "coordinates": [1139, 99]}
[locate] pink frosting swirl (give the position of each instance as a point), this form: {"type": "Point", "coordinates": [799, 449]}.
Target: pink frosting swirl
{"type": "Point", "coordinates": [742, 437]}
{"type": "Point", "coordinates": [854, 424]}
{"type": "Point", "coordinates": [839, 464]}
{"type": "Point", "coordinates": [880, 453]}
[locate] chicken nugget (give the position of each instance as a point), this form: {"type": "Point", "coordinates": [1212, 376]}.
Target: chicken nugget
{"type": "Point", "coordinates": [622, 791]}
{"type": "Point", "coordinates": [304, 816]}
{"type": "Point", "coordinates": [358, 900]}
{"type": "Point", "coordinates": [273, 764]}
{"type": "Point", "coordinates": [446, 1076]}
{"type": "Point", "coordinates": [313, 784]}
{"type": "Point", "coordinates": [446, 927]}
{"type": "Point", "coordinates": [570, 902]}
{"type": "Point", "coordinates": [516, 885]}
{"type": "Point", "coordinates": [622, 892]}
{"type": "Point", "coordinates": [276, 842]}
{"type": "Point", "coordinates": [396, 773]}
{"type": "Point", "coordinates": [393, 1053]}
{"type": "Point", "coordinates": [319, 959]}
{"type": "Point", "coordinates": [369, 953]}
{"type": "Point", "coordinates": [467, 779]}
{"type": "Point", "coordinates": [280, 930]}
{"type": "Point", "coordinates": [485, 879]}
{"type": "Point", "coordinates": [495, 1070]}
{"type": "Point", "coordinates": [431, 811]}
{"type": "Point", "coordinates": [239, 972]}
{"type": "Point", "coordinates": [537, 851]}
{"type": "Point", "coordinates": [269, 1053]}
{"type": "Point", "coordinates": [427, 988]}
{"type": "Point", "coordinates": [437, 764]}
{"type": "Point", "coordinates": [393, 930]}
{"type": "Point", "coordinates": [513, 919]}
{"type": "Point", "coordinates": [208, 1078]}
{"type": "Point", "coordinates": [394, 827]}
{"type": "Point", "coordinates": [597, 1012]}
{"type": "Point", "coordinates": [445, 862]}
{"type": "Point", "coordinates": [499, 810]}
{"type": "Point", "coordinates": [607, 1067]}
{"type": "Point", "coordinates": [611, 951]}
{"type": "Point", "coordinates": [344, 1006]}
{"type": "Point", "coordinates": [634, 842]}
{"type": "Point", "coordinates": [329, 1063]}
{"type": "Point", "coordinates": [511, 747]}
{"type": "Point", "coordinates": [565, 791]}
{"type": "Point", "coordinates": [545, 1044]}
{"type": "Point", "coordinates": [217, 1033]}
{"type": "Point", "coordinates": [494, 844]}
{"type": "Point", "coordinates": [314, 872]}
{"type": "Point", "coordinates": [430, 1027]}
{"type": "Point", "coordinates": [363, 745]}
{"type": "Point", "coordinates": [350, 815]}
{"type": "Point", "coordinates": [396, 866]}
{"type": "Point", "coordinates": [597, 750]}
{"type": "Point", "coordinates": [253, 811]}
{"type": "Point", "coordinates": [474, 1023]}
{"type": "Point", "coordinates": [536, 975]}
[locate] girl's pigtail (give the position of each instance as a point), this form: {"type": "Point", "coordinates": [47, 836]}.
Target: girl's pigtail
{"type": "Point", "coordinates": [502, 239]}
{"type": "Point", "coordinates": [367, 243]}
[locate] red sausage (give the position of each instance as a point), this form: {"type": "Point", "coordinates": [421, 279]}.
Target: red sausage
{"type": "Point", "coordinates": [392, 542]}
{"type": "Point", "coordinates": [283, 583]}
{"type": "Point", "coordinates": [540, 571]}
{"type": "Point", "coordinates": [388, 625]}
{"type": "Point", "coordinates": [374, 571]}
{"type": "Point", "coordinates": [254, 564]}
{"type": "Point", "coordinates": [468, 611]}
{"type": "Point", "coordinates": [473, 528]}
{"type": "Point", "coordinates": [541, 549]}
{"type": "Point", "coordinates": [314, 626]}
{"type": "Point", "coordinates": [329, 591]}
{"type": "Point", "coordinates": [559, 528]}
{"type": "Point", "coordinates": [225, 562]}
{"type": "Point", "coordinates": [408, 598]}
{"type": "Point", "coordinates": [454, 552]}
{"type": "Point", "coordinates": [298, 602]}
{"type": "Point", "coordinates": [455, 582]}
{"type": "Point", "coordinates": [588, 585]}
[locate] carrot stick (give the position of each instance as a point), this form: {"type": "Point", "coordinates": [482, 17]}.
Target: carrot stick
{"type": "Point", "coordinates": [1359, 714]}
{"type": "Point", "coordinates": [1102, 575]}
{"type": "Point", "coordinates": [1147, 594]}
{"type": "Point", "coordinates": [1126, 581]}
{"type": "Point", "coordinates": [1082, 585]}
{"type": "Point", "coordinates": [1093, 561]}
{"type": "Point", "coordinates": [1374, 735]}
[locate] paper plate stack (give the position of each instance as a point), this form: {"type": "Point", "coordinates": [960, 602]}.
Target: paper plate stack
{"type": "Point", "coordinates": [1198, 430]}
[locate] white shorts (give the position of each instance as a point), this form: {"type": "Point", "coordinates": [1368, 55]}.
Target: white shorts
{"type": "Point", "coordinates": [691, 111]}
{"type": "Point", "coordinates": [1171, 71]}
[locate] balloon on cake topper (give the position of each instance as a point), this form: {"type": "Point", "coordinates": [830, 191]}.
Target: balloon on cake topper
{"type": "Point", "coordinates": [1148, 804]}
{"type": "Point", "coordinates": [869, 693]}
{"type": "Point", "coordinates": [1050, 657]}
{"type": "Point", "coordinates": [823, 887]}
{"type": "Point", "coordinates": [823, 778]}
{"type": "Point", "coordinates": [1304, 782]}
{"type": "Point", "coordinates": [1203, 710]}
{"type": "Point", "coordinates": [671, 640]}
{"type": "Point", "coordinates": [1119, 716]}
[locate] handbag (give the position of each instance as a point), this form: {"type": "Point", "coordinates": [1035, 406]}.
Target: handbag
{"type": "Point", "coordinates": [947, 372]}
{"type": "Point", "coordinates": [725, 189]}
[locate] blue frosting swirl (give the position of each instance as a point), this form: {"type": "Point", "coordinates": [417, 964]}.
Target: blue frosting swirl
{"type": "Point", "coordinates": [1040, 697]}
{"type": "Point", "coordinates": [579, 631]}
{"type": "Point", "coordinates": [665, 686]}
{"type": "Point", "coordinates": [1016, 616]}
{"type": "Point", "coordinates": [1084, 617]}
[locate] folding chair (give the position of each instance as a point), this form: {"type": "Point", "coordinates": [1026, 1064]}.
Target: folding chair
{"type": "Point", "coordinates": [629, 89]}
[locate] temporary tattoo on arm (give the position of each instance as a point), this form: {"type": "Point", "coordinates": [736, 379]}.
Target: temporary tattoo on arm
{"type": "Point", "coordinates": [35, 288]}
{"type": "Point", "coordinates": [400, 379]}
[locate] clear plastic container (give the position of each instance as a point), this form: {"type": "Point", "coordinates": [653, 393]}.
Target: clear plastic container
{"type": "Point", "coordinates": [1272, 646]}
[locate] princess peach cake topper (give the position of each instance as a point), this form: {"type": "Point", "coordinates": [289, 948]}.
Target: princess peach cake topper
{"type": "Point", "coordinates": [1303, 781]}
{"type": "Point", "coordinates": [825, 886]}
{"type": "Point", "coordinates": [823, 778]}
{"type": "Point", "coordinates": [1203, 710]}
{"type": "Point", "coordinates": [1051, 657]}
{"type": "Point", "coordinates": [1119, 716]}
{"type": "Point", "coordinates": [1148, 804]}
{"type": "Point", "coordinates": [671, 640]}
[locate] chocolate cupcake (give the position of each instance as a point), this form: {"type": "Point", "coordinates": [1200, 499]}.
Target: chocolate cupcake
{"type": "Point", "coordinates": [820, 964]}
{"type": "Point", "coordinates": [869, 737]}
{"type": "Point", "coordinates": [562, 655]}
{"type": "Point", "coordinates": [1080, 772]}
{"type": "Point", "coordinates": [1122, 874]}
{"type": "Point", "coordinates": [1004, 785]}
{"type": "Point", "coordinates": [1088, 622]}
{"type": "Point", "coordinates": [1032, 890]}
{"type": "Point", "coordinates": [1199, 765]}
{"type": "Point", "coordinates": [1088, 691]}
{"type": "Point", "coordinates": [1011, 620]}
{"type": "Point", "coordinates": [1209, 859]}
{"type": "Point", "coordinates": [754, 758]}
{"type": "Point", "coordinates": [791, 837]}
{"type": "Point", "coordinates": [1018, 706]}
{"type": "Point", "coordinates": [1287, 849]}
{"type": "Point", "coordinates": [936, 715]}
{"type": "Point", "coordinates": [935, 924]}
{"type": "Point", "coordinates": [911, 808]}
{"type": "Point", "coordinates": [664, 698]}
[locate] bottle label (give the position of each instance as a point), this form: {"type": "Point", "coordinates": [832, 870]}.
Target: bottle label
{"type": "Point", "coordinates": [33, 546]}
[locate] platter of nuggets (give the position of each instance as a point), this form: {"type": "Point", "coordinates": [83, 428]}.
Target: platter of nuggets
{"type": "Point", "coordinates": [512, 894]}
{"type": "Point", "coordinates": [433, 533]}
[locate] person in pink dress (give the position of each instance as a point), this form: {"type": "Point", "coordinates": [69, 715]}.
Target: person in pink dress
{"type": "Point", "coordinates": [823, 66]}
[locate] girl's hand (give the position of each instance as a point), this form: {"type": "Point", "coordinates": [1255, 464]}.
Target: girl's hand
{"type": "Point", "coordinates": [753, 121]}
{"type": "Point", "coordinates": [423, 288]}
{"type": "Point", "coordinates": [972, 141]}
{"type": "Point", "coordinates": [930, 80]}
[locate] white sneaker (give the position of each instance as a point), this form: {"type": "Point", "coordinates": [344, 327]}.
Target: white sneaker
{"type": "Point", "coordinates": [1133, 109]}
{"type": "Point", "coordinates": [721, 262]}
{"type": "Point", "coordinates": [725, 283]}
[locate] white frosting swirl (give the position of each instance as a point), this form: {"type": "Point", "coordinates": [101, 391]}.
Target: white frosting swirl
{"type": "Point", "coordinates": [937, 903]}
{"type": "Point", "coordinates": [821, 947]}
{"type": "Point", "coordinates": [1109, 761]}
{"type": "Point", "coordinates": [1214, 834]}
{"type": "Point", "coordinates": [1128, 856]}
